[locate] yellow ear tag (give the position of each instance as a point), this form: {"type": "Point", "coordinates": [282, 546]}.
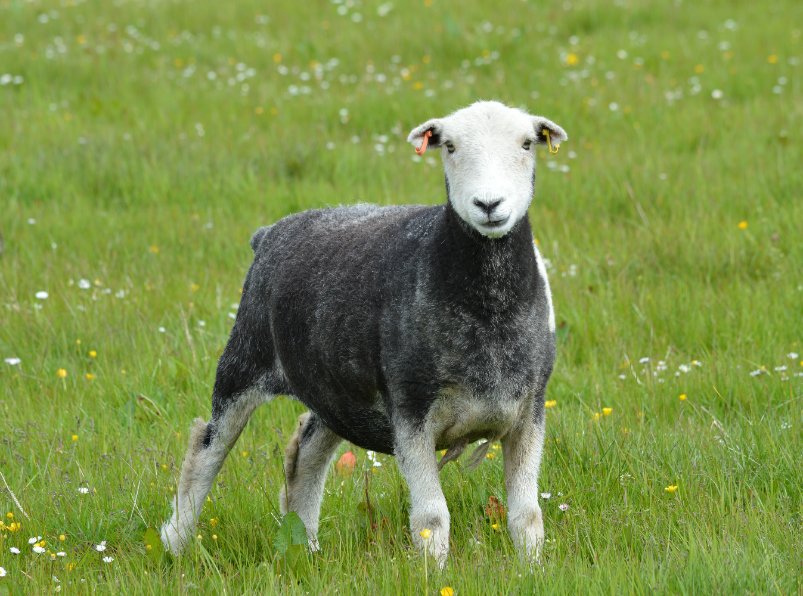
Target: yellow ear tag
{"type": "Point", "coordinates": [552, 150]}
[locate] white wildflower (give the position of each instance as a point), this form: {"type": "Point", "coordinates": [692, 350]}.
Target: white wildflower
{"type": "Point", "coordinates": [546, 495]}
{"type": "Point", "coordinates": [83, 490]}
{"type": "Point", "coordinates": [38, 549]}
{"type": "Point", "coordinates": [13, 361]}
{"type": "Point", "coordinates": [101, 547]}
{"type": "Point", "coordinates": [14, 550]}
{"type": "Point", "coordinates": [42, 295]}
{"type": "Point", "coordinates": [108, 559]}
{"type": "Point", "coordinates": [563, 506]}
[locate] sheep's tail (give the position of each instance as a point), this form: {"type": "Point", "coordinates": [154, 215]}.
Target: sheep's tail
{"type": "Point", "coordinates": [258, 236]}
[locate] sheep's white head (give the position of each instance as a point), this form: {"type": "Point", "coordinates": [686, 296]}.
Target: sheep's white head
{"type": "Point", "coordinates": [489, 161]}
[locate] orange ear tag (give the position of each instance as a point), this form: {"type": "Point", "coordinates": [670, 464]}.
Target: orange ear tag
{"type": "Point", "coordinates": [420, 150]}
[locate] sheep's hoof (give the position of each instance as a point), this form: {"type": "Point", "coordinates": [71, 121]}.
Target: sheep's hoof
{"type": "Point", "coordinates": [172, 539]}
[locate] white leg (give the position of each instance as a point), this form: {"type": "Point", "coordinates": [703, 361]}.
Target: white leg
{"type": "Point", "coordinates": [306, 464]}
{"type": "Point", "coordinates": [522, 450]}
{"type": "Point", "coordinates": [415, 456]}
{"type": "Point", "coordinates": [208, 446]}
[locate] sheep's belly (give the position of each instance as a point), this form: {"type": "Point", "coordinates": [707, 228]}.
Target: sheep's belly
{"type": "Point", "coordinates": [458, 417]}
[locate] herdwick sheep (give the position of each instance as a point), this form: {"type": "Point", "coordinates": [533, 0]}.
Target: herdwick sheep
{"type": "Point", "coordinates": [404, 330]}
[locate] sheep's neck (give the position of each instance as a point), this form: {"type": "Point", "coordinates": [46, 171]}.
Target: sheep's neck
{"type": "Point", "coordinates": [490, 277]}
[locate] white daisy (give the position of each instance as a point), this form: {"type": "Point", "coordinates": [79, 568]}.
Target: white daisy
{"type": "Point", "coordinates": [101, 547]}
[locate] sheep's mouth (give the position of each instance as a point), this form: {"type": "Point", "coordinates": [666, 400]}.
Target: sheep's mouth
{"type": "Point", "coordinates": [496, 223]}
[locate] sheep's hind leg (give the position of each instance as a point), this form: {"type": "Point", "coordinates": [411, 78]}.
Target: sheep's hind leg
{"type": "Point", "coordinates": [307, 459]}
{"type": "Point", "coordinates": [208, 446]}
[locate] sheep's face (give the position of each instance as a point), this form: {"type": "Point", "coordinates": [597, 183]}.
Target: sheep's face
{"type": "Point", "coordinates": [488, 154]}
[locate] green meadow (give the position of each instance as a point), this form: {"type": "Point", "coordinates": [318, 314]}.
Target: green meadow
{"type": "Point", "coordinates": [142, 142]}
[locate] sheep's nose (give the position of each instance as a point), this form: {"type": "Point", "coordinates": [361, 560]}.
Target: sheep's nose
{"type": "Point", "coordinates": [487, 205]}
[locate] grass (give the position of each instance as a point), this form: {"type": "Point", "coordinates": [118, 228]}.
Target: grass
{"type": "Point", "coordinates": [138, 151]}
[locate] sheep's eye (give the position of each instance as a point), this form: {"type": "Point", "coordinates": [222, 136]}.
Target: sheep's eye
{"type": "Point", "coordinates": [449, 146]}
{"type": "Point", "coordinates": [527, 144]}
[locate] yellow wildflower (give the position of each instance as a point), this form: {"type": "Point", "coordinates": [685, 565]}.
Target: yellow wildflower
{"type": "Point", "coordinates": [671, 488]}
{"type": "Point", "coordinates": [62, 537]}
{"type": "Point", "coordinates": [10, 515]}
{"type": "Point", "coordinates": [213, 522]}
{"type": "Point", "coordinates": [596, 416]}
{"type": "Point", "coordinates": [425, 533]}
{"type": "Point", "coordinates": [93, 354]}
{"type": "Point", "coordinates": [682, 397]}
{"type": "Point", "coordinates": [743, 225]}
{"type": "Point", "coordinates": [74, 438]}
{"type": "Point", "coordinates": [61, 373]}
{"type": "Point", "coordinates": [550, 403]}
{"type": "Point", "coordinates": [495, 526]}
{"type": "Point", "coordinates": [277, 58]}
{"type": "Point", "coordinates": [607, 411]}
{"type": "Point", "coordinates": [89, 376]}
{"type": "Point", "coordinates": [572, 59]}
{"type": "Point", "coordinates": [699, 69]}
{"type": "Point", "coordinates": [214, 536]}
{"type": "Point", "coordinates": [772, 58]}
{"type": "Point", "coordinates": [447, 591]}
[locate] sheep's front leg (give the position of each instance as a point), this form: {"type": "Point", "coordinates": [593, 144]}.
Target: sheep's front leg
{"type": "Point", "coordinates": [522, 449]}
{"type": "Point", "coordinates": [415, 456]}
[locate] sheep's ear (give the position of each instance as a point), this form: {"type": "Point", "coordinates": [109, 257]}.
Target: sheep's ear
{"type": "Point", "coordinates": [416, 136]}
{"type": "Point", "coordinates": [556, 134]}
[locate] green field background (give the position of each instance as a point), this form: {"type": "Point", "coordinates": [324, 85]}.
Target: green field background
{"type": "Point", "coordinates": [142, 142]}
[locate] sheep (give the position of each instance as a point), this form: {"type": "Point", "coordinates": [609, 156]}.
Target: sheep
{"type": "Point", "coordinates": [404, 330]}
